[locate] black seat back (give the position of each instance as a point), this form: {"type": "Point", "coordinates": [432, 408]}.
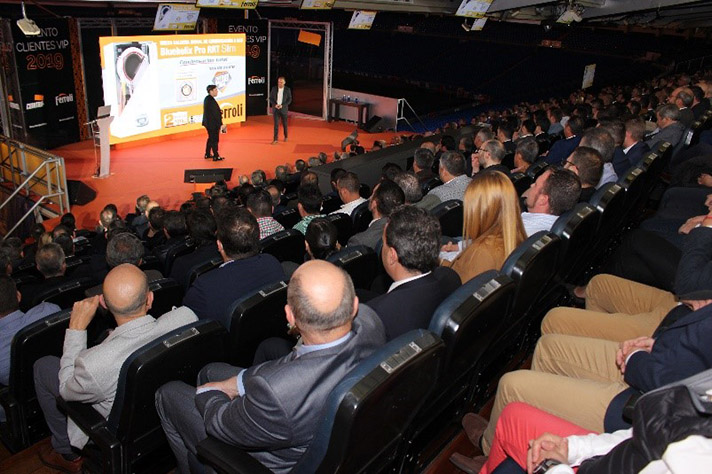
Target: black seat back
{"type": "Point", "coordinates": [204, 267]}
{"type": "Point", "coordinates": [361, 217]}
{"type": "Point", "coordinates": [468, 321]}
{"type": "Point", "coordinates": [430, 185]}
{"type": "Point", "coordinates": [360, 262]}
{"type": "Point", "coordinates": [45, 337]}
{"type": "Point", "coordinates": [330, 203]}
{"type": "Point", "coordinates": [366, 415]}
{"type": "Point", "coordinates": [66, 294]}
{"type": "Point", "coordinates": [183, 248]}
{"type": "Point", "coordinates": [255, 318]}
{"type": "Point", "coordinates": [450, 215]}
{"type": "Point", "coordinates": [288, 217]}
{"type": "Point", "coordinates": [285, 246]}
{"type": "Point", "coordinates": [609, 200]}
{"type": "Point", "coordinates": [178, 355]}
{"type": "Point", "coordinates": [343, 225]}
{"type": "Point", "coordinates": [536, 169]}
{"type": "Point", "coordinates": [634, 183]}
{"type": "Point", "coordinates": [167, 293]}
{"type": "Point", "coordinates": [521, 182]}
{"type": "Point", "coordinates": [577, 231]}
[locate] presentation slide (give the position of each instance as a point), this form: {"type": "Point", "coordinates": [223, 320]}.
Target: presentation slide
{"type": "Point", "coordinates": [317, 4]}
{"type": "Point", "coordinates": [473, 8]}
{"type": "Point", "coordinates": [155, 85]}
{"type": "Point", "coordinates": [240, 4]}
{"type": "Point", "coordinates": [170, 17]}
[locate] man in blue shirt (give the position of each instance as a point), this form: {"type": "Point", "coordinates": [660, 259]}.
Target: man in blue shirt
{"type": "Point", "coordinates": [12, 320]}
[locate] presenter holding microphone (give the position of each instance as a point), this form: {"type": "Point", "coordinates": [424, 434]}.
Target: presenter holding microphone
{"type": "Point", "coordinates": [212, 121]}
{"type": "Point", "coordinates": [279, 98]}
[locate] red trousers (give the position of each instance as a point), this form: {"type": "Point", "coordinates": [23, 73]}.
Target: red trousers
{"type": "Point", "coordinates": [520, 423]}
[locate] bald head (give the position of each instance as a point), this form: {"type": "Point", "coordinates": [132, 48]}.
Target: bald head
{"type": "Point", "coordinates": [321, 296]}
{"type": "Point", "coordinates": [126, 291]}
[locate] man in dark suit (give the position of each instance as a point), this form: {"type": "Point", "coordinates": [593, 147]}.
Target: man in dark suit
{"type": "Point", "coordinates": [212, 121]}
{"type": "Point", "coordinates": [201, 227]}
{"type": "Point", "coordinates": [245, 270]}
{"type": "Point", "coordinates": [50, 262]}
{"type": "Point", "coordinates": [279, 98]}
{"type": "Point", "coordinates": [669, 128]}
{"type": "Point", "coordinates": [561, 149]}
{"type": "Point", "coordinates": [272, 410]}
{"type": "Point", "coordinates": [633, 148]}
{"type": "Point", "coordinates": [386, 196]}
{"type": "Point", "coordinates": [489, 158]}
{"type": "Point", "coordinates": [411, 243]}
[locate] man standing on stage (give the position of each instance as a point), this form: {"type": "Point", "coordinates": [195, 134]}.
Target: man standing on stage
{"type": "Point", "coordinates": [212, 121]}
{"type": "Point", "coordinates": [279, 98]}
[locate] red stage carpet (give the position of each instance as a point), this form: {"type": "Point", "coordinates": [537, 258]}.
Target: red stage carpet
{"type": "Point", "coordinates": [157, 168]}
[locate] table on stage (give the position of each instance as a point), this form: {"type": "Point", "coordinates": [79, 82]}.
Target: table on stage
{"type": "Point", "coordinates": [336, 104]}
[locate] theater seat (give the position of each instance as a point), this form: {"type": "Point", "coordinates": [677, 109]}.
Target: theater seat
{"type": "Point", "coordinates": [577, 231]}
{"type": "Point", "coordinates": [343, 225]}
{"type": "Point", "coordinates": [166, 293]}
{"type": "Point", "coordinates": [64, 295]}
{"type": "Point", "coordinates": [364, 418]}
{"type": "Point", "coordinates": [430, 185]}
{"type": "Point", "coordinates": [330, 203]}
{"type": "Point", "coordinates": [25, 423]}
{"type": "Point", "coordinates": [468, 321]}
{"type": "Point", "coordinates": [634, 183]}
{"type": "Point", "coordinates": [609, 200]}
{"type": "Point", "coordinates": [361, 217]}
{"type": "Point", "coordinates": [204, 267]}
{"type": "Point", "coordinates": [186, 247]}
{"type": "Point", "coordinates": [288, 217]}
{"type": "Point", "coordinates": [521, 182]}
{"type": "Point", "coordinates": [131, 438]}
{"type": "Point", "coordinates": [285, 246]}
{"type": "Point", "coordinates": [449, 213]}
{"type": "Point", "coordinates": [255, 318]}
{"type": "Point", "coordinates": [360, 262]}
{"type": "Point", "coordinates": [536, 169]}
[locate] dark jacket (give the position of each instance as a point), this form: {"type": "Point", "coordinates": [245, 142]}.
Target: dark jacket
{"type": "Point", "coordinates": [212, 115]}
{"type": "Point", "coordinates": [182, 266]}
{"type": "Point", "coordinates": [411, 305]}
{"type": "Point", "coordinates": [561, 150]}
{"type": "Point", "coordinates": [286, 98]}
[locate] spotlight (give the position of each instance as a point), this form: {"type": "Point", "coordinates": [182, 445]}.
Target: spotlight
{"type": "Point", "coordinates": [27, 26]}
{"type": "Point", "coordinates": [465, 26]}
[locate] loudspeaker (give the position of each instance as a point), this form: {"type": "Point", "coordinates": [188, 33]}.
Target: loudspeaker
{"type": "Point", "coordinates": [374, 124]}
{"type": "Point", "coordinates": [209, 175]}
{"type": "Point", "coordinates": [79, 193]}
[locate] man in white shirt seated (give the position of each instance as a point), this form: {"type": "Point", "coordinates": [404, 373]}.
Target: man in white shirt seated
{"type": "Point", "coordinates": [348, 188]}
{"type": "Point", "coordinates": [554, 192]}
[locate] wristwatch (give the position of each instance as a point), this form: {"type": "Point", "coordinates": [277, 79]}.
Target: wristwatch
{"type": "Point", "coordinates": [545, 465]}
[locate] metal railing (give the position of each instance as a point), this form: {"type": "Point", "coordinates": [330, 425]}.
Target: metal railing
{"type": "Point", "coordinates": [32, 173]}
{"type": "Point", "coordinates": [693, 65]}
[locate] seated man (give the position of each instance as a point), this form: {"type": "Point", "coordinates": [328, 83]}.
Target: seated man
{"type": "Point", "coordinates": [525, 154]}
{"type": "Point", "coordinates": [452, 174]}
{"type": "Point", "coordinates": [554, 192]}
{"type": "Point", "coordinates": [175, 230]}
{"type": "Point", "coordinates": [12, 320]}
{"type": "Point", "coordinates": [123, 247]}
{"type": "Point", "coordinates": [272, 410]}
{"type": "Point", "coordinates": [348, 187]}
{"type": "Point", "coordinates": [49, 261]}
{"type": "Point", "coordinates": [245, 269]}
{"type": "Point", "coordinates": [561, 149]}
{"type": "Point", "coordinates": [386, 196]}
{"type": "Point", "coordinates": [413, 192]}
{"type": "Point", "coordinates": [259, 204]}
{"type": "Point", "coordinates": [588, 166]}
{"type": "Point", "coordinates": [309, 205]}
{"type": "Point", "coordinates": [411, 244]}
{"type": "Point", "coordinates": [201, 228]}
{"type": "Point", "coordinates": [91, 375]}
{"type": "Point", "coordinates": [588, 381]}
{"type": "Point", "coordinates": [489, 157]}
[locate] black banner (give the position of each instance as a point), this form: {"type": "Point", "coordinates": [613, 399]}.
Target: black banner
{"type": "Point", "coordinates": [45, 74]}
{"type": "Point", "coordinates": [256, 61]}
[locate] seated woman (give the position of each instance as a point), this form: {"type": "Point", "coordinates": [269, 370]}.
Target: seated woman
{"type": "Point", "coordinates": [492, 225]}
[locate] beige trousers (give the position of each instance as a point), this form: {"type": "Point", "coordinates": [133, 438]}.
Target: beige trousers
{"type": "Point", "coordinates": [572, 377]}
{"type": "Point", "coordinates": [616, 310]}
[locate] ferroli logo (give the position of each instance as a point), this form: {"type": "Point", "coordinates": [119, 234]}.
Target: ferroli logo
{"type": "Point", "coordinates": [249, 4]}
{"type": "Point", "coordinates": [64, 99]}
{"type": "Point", "coordinates": [256, 80]}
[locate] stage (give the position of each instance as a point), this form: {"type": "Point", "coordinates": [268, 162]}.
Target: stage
{"type": "Point", "coordinates": [156, 168]}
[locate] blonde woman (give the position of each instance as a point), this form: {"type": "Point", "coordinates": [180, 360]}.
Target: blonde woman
{"type": "Point", "coordinates": [492, 225]}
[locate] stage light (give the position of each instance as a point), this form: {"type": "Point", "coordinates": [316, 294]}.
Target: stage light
{"type": "Point", "coordinates": [465, 26]}
{"type": "Point", "coordinates": [349, 140]}
{"type": "Point", "coordinates": [27, 26]}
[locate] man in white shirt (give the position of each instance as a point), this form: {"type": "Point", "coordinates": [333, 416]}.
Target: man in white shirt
{"type": "Point", "coordinates": [554, 192]}
{"type": "Point", "coordinates": [348, 188]}
{"type": "Point", "coordinates": [279, 99]}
